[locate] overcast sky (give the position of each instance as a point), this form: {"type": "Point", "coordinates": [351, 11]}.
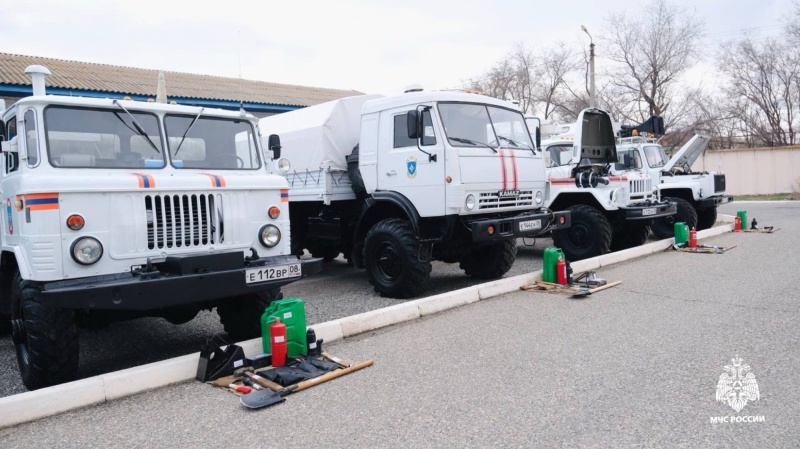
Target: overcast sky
{"type": "Point", "coordinates": [371, 46]}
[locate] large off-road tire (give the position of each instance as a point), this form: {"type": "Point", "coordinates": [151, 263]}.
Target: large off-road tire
{"type": "Point", "coordinates": [391, 257]}
{"type": "Point", "coordinates": [490, 262]}
{"type": "Point", "coordinates": [45, 338]}
{"type": "Point", "coordinates": [706, 218]}
{"type": "Point", "coordinates": [241, 316]}
{"type": "Point", "coordinates": [629, 236]}
{"type": "Point", "coordinates": [664, 227]}
{"type": "Point", "coordinates": [588, 236]}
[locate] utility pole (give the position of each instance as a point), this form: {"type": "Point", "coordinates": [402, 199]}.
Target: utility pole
{"type": "Point", "coordinates": [592, 100]}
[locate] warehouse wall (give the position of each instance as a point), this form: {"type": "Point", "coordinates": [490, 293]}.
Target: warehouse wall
{"type": "Point", "coordinates": [755, 171]}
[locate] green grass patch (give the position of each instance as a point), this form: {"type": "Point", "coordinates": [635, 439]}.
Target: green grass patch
{"type": "Point", "coordinates": [774, 197]}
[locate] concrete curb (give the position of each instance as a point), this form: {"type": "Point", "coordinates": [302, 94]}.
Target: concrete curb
{"type": "Point", "coordinates": [50, 401]}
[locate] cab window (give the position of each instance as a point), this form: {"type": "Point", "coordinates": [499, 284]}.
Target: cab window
{"type": "Point", "coordinates": [31, 138]}
{"type": "Point", "coordinates": [12, 159]}
{"type": "Point", "coordinates": [401, 138]}
{"type": "Point", "coordinates": [560, 155]}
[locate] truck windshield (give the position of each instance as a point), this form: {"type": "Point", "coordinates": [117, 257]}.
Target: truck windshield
{"type": "Point", "coordinates": [102, 138]}
{"type": "Point", "coordinates": [211, 143]}
{"type": "Point", "coordinates": [470, 125]}
{"type": "Point", "coordinates": [655, 156]}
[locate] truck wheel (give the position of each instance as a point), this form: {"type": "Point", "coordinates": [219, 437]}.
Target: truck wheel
{"type": "Point", "coordinates": [490, 262]}
{"type": "Point", "coordinates": [241, 316]}
{"type": "Point", "coordinates": [629, 236]}
{"type": "Point", "coordinates": [664, 228]}
{"type": "Point", "coordinates": [45, 337]}
{"type": "Point", "coordinates": [391, 256]}
{"type": "Point", "coordinates": [706, 218]}
{"type": "Point", "coordinates": [588, 236]}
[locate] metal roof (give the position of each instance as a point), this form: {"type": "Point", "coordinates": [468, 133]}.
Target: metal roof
{"type": "Point", "coordinates": [87, 76]}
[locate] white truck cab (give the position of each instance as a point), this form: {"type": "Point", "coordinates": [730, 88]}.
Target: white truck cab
{"type": "Point", "coordinates": [117, 209]}
{"type": "Point", "coordinates": [611, 204]}
{"type": "Point", "coordinates": [396, 182]}
{"type": "Point", "coordinates": [696, 194]}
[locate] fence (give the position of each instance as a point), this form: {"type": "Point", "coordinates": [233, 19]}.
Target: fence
{"type": "Point", "coordinates": [755, 171]}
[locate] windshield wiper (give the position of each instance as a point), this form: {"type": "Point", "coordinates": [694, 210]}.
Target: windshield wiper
{"type": "Point", "coordinates": [471, 142]}
{"type": "Point", "coordinates": [187, 131]}
{"type": "Point", "coordinates": [139, 129]}
{"type": "Point", "coordinates": [517, 144]}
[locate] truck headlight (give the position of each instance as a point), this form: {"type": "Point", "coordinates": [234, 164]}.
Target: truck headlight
{"type": "Point", "coordinates": [470, 203]}
{"type": "Point", "coordinates": [539, 197]}
{"type": "Point", "coordinates": [269, 235]}
{"type": "Point", "coordinates": [284, 165]}
{"type": "Point", "coordinates": [86, 250]}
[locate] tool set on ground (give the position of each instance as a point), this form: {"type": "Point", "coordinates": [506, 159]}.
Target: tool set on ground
{"type": "Point", "coordinates": [740, 224]}
{"type": "Point", "coordinates": [293, 359]}
{"type": "Point", "coordinates": [557, 277]}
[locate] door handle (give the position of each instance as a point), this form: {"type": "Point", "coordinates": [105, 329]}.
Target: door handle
{"type": "Point", "coordinates": [391, 173]}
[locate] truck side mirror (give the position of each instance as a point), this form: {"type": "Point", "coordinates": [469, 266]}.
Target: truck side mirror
{"type": "Point", "coordinates": [538, 138]}
{"type": "Point", "coordinates": [414, 124]}
{"type": "Point", "coordinates": [274, 145]}
{"type": "Point", "coordinates": [627, 161]}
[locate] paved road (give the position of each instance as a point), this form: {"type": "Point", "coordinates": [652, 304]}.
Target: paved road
{"type": "Point", "coordinates": [337, 292]}
{"type": "Point", "coordinates": [636, 365]}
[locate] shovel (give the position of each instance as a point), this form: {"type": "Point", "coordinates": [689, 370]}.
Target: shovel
{"type": "Point", "coordinates": [266, 397]}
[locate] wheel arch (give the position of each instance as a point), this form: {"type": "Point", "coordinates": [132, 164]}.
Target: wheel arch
{"type": "Point", "coordinates": [380, 206]}
{"type": "Point", "coordinates": [565, 200]}
{"type": "Point", "coordinates": [684, 193]}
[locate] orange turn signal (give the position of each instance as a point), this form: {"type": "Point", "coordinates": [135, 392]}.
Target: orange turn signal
{"type": "Point", "coordinates": [490, 229]}
{"type": "Point", "coordinates": [448, 179]}
{"type": "Point", "coordinates": [562, 219]}
{"type": "Point", "coordinates": [75, 222]}
{"type": "Point", "coordinates": [274, 212]}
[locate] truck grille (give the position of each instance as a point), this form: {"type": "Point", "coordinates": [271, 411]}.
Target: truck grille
{"type": "Point", "coordinates": [640, 185]}
{"type": "Point", "coordinates": [184, 220]}
{"type": "Point", "coordinates": [492, 200]}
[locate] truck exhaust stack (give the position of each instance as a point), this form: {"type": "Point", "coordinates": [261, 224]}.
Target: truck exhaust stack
{"type": "Point", "coordinates": [37, 73]}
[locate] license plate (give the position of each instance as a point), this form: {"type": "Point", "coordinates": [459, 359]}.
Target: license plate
{"type": "Point", "coordinates": [255, 275]}
{"type": "Point", "coordinates": [530, 225]}
{"type": "Point", "coordinates": [649, 211]}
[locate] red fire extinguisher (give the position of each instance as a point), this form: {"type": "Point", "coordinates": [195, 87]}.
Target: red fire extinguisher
{"type": "Point", "coordinates": [737, 223]}
{"type": "Point", "coordinates": [278, 345]}
{"type": "Point", "coordinates": [561, 271]}
{"type": "Point", "coordinates": [692, 238]}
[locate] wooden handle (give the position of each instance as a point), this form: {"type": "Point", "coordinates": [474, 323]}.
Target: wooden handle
{"type": "Point", "coordinates": [609, 285]}
{"type": "Point", "coordinates": [266, 383]}
{"type": "Point", "coordinates": [330, 376]}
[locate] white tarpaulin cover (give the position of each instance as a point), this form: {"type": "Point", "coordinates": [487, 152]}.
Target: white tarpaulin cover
{"type": "Point", "coordinates": [318, 136]}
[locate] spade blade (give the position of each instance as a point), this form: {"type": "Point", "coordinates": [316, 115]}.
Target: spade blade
{"type": "Point", "coordinates": [261, 398]}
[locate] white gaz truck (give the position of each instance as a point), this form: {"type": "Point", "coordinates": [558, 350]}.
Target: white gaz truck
{"type": "Point", "coordinates": [696, 194]}
{"type": "Point", "coordinates": [396, 182]}
{"type": "Point", "coordinates": [118, 209]}
{"type": "Point", "coordinates": [612, 205]}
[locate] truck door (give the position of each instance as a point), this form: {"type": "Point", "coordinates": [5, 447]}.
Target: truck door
{"type": "Point", "coordinates": [403, 168]}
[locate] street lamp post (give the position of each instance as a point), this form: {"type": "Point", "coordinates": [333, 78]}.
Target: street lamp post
{"type": "Point", "coordinates": [592, 102]}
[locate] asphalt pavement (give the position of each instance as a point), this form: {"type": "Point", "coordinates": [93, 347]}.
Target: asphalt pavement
{"type": "Point", "coordinates": [338, 291]}
{"type": "Point", "coordinates": [635, 365]}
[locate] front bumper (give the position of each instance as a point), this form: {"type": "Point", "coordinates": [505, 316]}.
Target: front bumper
{"type": "Point", "coordinates": [515, 226]}
{"type": "Point", "coordinates": [178, 281]}
{"type": "Point", "coordinates": [714, 201]}
{"type": "Point", "coordinates": [655, 210]}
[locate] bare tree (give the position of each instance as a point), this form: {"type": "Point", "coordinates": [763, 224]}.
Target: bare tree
{"type": "Point", "coordinates": [650, 51]}
{"type": "Point", "coordinates": [764, 79]}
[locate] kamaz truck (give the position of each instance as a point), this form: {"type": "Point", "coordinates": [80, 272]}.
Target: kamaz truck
{"type": "Point", "coordinates": [396, 182]}
{"type": "Point", "coordinates": [117, 209]}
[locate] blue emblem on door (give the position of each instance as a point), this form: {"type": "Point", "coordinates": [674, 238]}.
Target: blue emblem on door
{"type": "Point", "coordinates": [411, 166]}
